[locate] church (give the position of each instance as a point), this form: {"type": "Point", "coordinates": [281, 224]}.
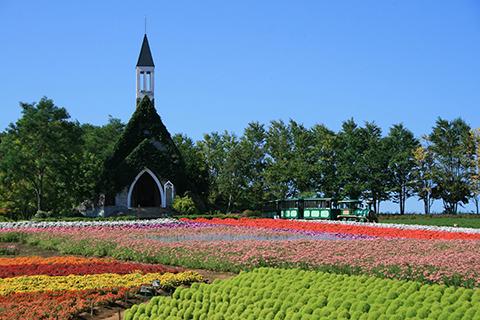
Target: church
{"type": "Point", "coordinates": [146, 170]}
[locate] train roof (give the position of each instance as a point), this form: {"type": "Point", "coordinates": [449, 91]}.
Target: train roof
{"type": "Point", "coordinates": [350, 200]}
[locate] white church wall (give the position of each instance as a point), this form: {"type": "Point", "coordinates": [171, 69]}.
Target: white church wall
{"type": "Point", "coordinates": [121, 198]}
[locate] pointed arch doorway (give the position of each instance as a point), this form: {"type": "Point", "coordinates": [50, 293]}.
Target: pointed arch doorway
{"type": "Point", "coordinates": [146, 191]}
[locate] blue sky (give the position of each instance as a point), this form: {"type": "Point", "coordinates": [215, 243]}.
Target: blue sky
{"type": "Point", "coordinates": [222, 64]}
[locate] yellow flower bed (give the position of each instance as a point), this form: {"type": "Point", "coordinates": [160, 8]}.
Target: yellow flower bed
{"type": "Point", "coordinates": [96, 281]}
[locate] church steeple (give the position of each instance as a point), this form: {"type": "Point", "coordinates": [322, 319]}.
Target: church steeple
{"type": "Point", "coordinates": [145, 72]}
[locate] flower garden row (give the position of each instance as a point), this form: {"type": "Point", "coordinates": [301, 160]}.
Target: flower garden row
{"type": "Point", "coordinates": [79, 224]}
{"type": "Point", "coordinates": [276, 294]}
{"type": "Point", "coordinates": [352, 228]}
{"type": "Point", "coordinates": [374, 229]}
{"type": "Point", "coordinates": [61, 287]}
{"type": "Point", "coordinates": [234, 245]}
{"type": "Point", "coordinates": [64, 266]}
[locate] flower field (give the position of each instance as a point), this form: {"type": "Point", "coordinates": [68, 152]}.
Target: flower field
{"type": "Point", "coordinates": [118, 257]}
{"type": "Point", "coordinates": [431, 255]}
{"type": "Point", "coordinates": [60, 287]}
{"type": "Point", "coordinates": [275, 294]}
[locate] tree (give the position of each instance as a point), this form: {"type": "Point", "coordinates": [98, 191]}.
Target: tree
{"type": "Point", "coordinates": [423, 183]}
{"type": "Point", "coordinates": [350, 148]}
{"type": "Point", "coordinates": [401, 144]}
{"type": "Point", "coordinates": [452, 145]}
{"type": "Point", "coordinates": [195, 163]}
{"type": "Point", "coordinates": [226, 166]}
{"type": "Point", "coordinates": [475, 178]}
{"type": "Point", "coordinates": [373, 165]}
{"type": "Point", "coordinates": [324, 172]}
{"type": "Point", "coordinates": [97, 145]}
{"type": "Point", "coordinates": [40, 154]}
{"type": "Point", "coordinates": [305, 159]}
{"type": "Point", "coordinates": [362, 163]}
{"type": "Point", "coordinates": [280, 154]}
{"type": "Point", "coordinates": [253, 151]}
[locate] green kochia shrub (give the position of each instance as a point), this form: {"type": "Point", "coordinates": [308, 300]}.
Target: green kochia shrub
{"type": "Point", "coordinates": [288, 294]}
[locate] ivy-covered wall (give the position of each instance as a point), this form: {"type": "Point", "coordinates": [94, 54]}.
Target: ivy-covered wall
{"type": "Point", "coordinates": [145, 143]}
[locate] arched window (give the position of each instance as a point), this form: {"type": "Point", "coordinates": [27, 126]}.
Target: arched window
{"type": "Point", "coordinates": [169, 193]}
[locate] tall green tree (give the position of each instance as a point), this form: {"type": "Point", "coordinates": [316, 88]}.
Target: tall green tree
{"type": "Point", "coordinates": [212, 150]}
{"type": "Point", "coordinates": [279, 173]}
{"type": "Point", "coordinates": [305, 159]}
{"type": "Point", "coordinates": [253, 151]}
{"type": "Point", "coordinates": [349, 150]}
{"type": "Point", "coordinates": [226, 165]}
{"type": "Point", "coordinates": [453, 148]}
{"type": "Point", "coordinates": [373, 165]}
{"type": "Point", "coordinates": [195, 164]}
{"type": "Point", "coordinates": [423, 176]}
{"type": "Point", "coordinates": [401, 144]}
{"type": "Point", "coordinates": [324, 171]}
{"type": "Point", "coordinates": [97, 145]}
{"type": "Point", "coordinates": [40, 154]}
{"type": "Point", "coordinates": [475, 178]}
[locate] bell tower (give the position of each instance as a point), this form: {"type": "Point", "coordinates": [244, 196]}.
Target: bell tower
{"type": "Point", "coordinates": [145, 72]}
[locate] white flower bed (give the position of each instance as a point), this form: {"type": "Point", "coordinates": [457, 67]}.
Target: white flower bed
{"type": "Point", "coordinates": [79, 224]}
{"type": "Point", "coordinates": [400, 226]}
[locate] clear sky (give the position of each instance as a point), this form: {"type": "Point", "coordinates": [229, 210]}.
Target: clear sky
{"type": "Point", "coordinates": [221, 64]}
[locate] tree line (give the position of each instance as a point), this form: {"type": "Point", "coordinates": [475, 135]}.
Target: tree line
{"type": "Point", "coordinates": [48, 162]}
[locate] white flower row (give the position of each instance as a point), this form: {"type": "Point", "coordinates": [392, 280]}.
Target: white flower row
{"type": "Point", "coordinates": [400, 226]}
{"type": "Point", "coordinates": [77, 224]}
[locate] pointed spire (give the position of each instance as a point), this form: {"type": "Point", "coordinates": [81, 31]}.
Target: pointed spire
{"type": "Point", "coordinates": [145, 58]}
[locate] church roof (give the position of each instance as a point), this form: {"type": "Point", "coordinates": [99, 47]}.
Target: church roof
{"type": "Point", "coordinates": [145, 58]}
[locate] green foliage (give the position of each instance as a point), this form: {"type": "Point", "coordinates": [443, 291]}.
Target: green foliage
{"type": "Point", "coordinates": [423, 182]}
{"type": "Point", "coordinates": [184, 205]}
{"type": "Point", "coordinates": [362, 162]}
{"type": "Point", "coordinates": [145, 143]}
{"type": "Point", "coordinates": [195, 164]}
{"type": "Point", "coordinates": [453, 146]}
{"type": "Point", "coordinates": [401, 144]}
{"type": "Point", "coordinates": [51, 164]}
{"type": "Point", "coordinates": [39, 155]}
{"type": "Point", "coordinates": [268, 293]}
{"type": "Point", "coordinates": [226, 168]}
{"type": "Point", "coordinates": [98, 143]}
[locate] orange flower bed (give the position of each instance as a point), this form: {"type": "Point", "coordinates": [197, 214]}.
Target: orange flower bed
{"type": "Point", "coordinates": [56, 304]}
{"type": "Point", "coordinates": [50, 260]}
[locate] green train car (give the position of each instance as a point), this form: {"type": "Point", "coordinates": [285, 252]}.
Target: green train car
{"type": "Point", "coordinates": [355, 210]}
{"type": "Point", "coordinates": [321, 209]}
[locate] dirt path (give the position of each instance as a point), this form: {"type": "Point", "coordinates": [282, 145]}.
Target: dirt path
{"type": "Point", "coordinates": [116, 312]}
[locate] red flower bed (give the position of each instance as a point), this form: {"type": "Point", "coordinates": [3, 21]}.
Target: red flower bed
{"type": "Point", "coordinates": [56, 304]}
{"type": "Point", "coordinates": [375, 231]}
{"type": "Point", "coordinates": [64, 269]}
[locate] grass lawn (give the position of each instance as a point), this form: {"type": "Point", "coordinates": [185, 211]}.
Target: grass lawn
{"type": "Point", "coordinates": [461, 220]}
